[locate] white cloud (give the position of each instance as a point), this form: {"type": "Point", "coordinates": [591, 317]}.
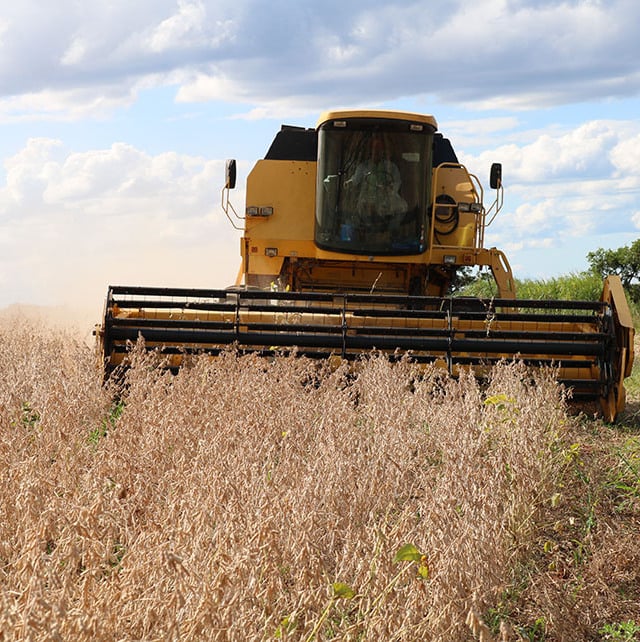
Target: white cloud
{"type": "Point", "coordinates": [596, 159]}
{"type": "Point", "coordinates": [191, 27]}
{"type": "Point", "coordinates": [179, 28]}
{"type": "Point", "coordinates": [284, 60]}
{"type": "Point", "coordinates": [563, 187]}
{"type": "Point", "coordinates": [74, 222]}
{"type": "Point", "coordinates": [76, 52]}
{"type": "Point", "coordinates": [65, 105]}
{"type": "Point", "coordinates": [582, 151]}
{"type": "Point", "coordinates": [625, 157]}
{"type": "Point", "coordinates": [498, 54]}
{"type": "Point", "coordinates": [534, 219]}
{"type": "Point", "coordinates": [205, 87]}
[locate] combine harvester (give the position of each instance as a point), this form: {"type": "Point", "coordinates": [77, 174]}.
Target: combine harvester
{"type": "Point", "coordinates": [353, 233]}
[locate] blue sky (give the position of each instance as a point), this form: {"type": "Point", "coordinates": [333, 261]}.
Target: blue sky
{"type": "Point", "coordinates": [116, 119]}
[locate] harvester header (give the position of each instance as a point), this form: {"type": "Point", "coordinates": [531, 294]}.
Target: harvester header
{"type": "Point", "coordinates": [352, 236]}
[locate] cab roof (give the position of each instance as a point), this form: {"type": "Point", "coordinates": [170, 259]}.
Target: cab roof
{"type": "Point", "coordinates": [377, 113]}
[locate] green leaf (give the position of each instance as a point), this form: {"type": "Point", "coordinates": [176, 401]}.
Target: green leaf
{"type": "Point", "coordinates": [408, 553]}
{"type": "Point", "coordinates": [423, 571]}
{"type": "Point", "coordinates": [343, 591]}
{"type": "Point", "coordinates": [286, 626]}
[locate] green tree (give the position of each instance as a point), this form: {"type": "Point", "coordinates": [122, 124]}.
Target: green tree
{"type": "Point", "coordinates": [625, 262]}
{"type": "Point", "coordinates": [463, 277]}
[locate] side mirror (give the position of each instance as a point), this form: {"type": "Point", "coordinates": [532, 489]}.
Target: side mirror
{"type": "Point", "coordinates": [230, 174]}
{"type": "Point", "coordinates": [495, 177]}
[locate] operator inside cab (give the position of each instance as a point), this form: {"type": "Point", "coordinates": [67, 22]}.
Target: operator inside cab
{"type": "Point", "coordinates": [373, 185]}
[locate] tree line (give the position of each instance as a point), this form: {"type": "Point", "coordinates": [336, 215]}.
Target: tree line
{"type": "Point", "coordinates": [624, 261]}
{"type": "Point", "coordinates": [587, 285]}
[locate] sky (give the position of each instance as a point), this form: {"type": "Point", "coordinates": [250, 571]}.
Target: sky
{"type": "Point", "coordinates": [116, 118]}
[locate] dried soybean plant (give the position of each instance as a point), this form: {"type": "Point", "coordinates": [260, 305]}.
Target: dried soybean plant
{"type": "Point", "coordinates": [253, 499]}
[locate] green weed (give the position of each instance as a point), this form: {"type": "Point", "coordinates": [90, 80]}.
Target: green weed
{"type": "Point", "coordinates": [30, 416]}
{"type": "Point", "coordinates": [624, 476]}
{"type": "Point", "coordinates": [628, 631]}
{"type": "Point", "coordinates": [107, 423]}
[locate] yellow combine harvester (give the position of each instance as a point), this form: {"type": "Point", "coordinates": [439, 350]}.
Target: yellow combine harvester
{"type": "Point", "coordinates": [353, 234]}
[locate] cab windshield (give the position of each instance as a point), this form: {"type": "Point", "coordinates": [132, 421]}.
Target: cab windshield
{"type": "Point", "coordinates": [373, 186]}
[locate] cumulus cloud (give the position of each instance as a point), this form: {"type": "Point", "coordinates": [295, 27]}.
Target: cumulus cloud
{"type": "Point", "coordinates": [65, 105]}
{"type": "Point", "coordinates": [179, 29]}
{"type": "Point", "coordinates": [626, 159]}
{"type": "Point", "coordinates": [576, 183]}
{"type": "Point", "coordinates": [589, 150]}
{"type": "Point", "coordinates": [499, 53]}
{"type": "Point", "coordinates": [129, 214]}
{"type": "Point", "coordinates": [74, 222]}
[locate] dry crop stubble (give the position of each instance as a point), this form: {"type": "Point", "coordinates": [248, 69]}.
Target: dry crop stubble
{"type": "Point", "coordinates": [246, 499]}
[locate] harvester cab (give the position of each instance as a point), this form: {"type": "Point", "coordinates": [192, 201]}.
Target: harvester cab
{"type": "Point", "coordinates": [367, 201]}
{"type": "Point", "coordinates": [352, 235]}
